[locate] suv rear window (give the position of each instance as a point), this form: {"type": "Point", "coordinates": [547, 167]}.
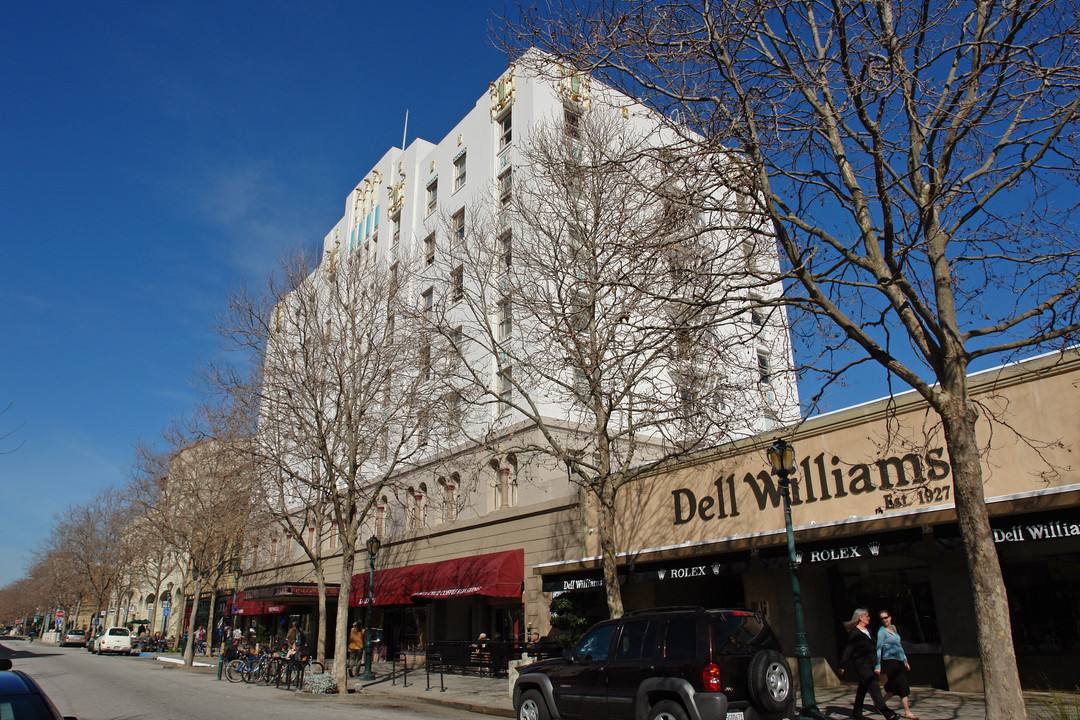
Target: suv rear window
{"type": "Point", "coordinates": [681, 641]}
{"type": "Point", "coordinates": [119, 631]}
{"type": "Point", "coordinates": [737, 633]}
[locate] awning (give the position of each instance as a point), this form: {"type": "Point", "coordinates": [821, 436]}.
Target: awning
{"type": "Point", "coordinates": [494, 575]}
{"type": "Point", "coordinates": [249, 607]}
{"type": "Point", "coordinates": [391, 587]}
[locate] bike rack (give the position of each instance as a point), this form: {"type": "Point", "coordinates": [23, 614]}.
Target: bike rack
{"type": "Point", "coordinates": [404, 669]}
{"type": "Point", "coordinates": [435, 658]}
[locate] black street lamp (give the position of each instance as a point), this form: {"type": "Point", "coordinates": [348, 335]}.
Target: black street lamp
{"type": "Point", "coordinates": [235, 589]}
{"type": "Point", "coordinates": [782, 458]}
{"type": "Point", "coordinates": [373, 546]}
{"type": "Point", "coordinates": [166, 607]}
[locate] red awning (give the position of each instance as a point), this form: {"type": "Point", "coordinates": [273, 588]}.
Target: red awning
{"type": "Point", "coordinates": [249, 607]}
{"type": "Point", "coordinates": [391, 587]}
{"type": "Point", "coordinates": [495, 575]}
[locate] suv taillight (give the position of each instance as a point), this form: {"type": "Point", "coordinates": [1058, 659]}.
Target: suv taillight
{"type": "Point", "coordinates": [710, 678]}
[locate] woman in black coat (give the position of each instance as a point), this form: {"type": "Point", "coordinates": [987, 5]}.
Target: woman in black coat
{"type": "Point", "coordinates": [861, 650]}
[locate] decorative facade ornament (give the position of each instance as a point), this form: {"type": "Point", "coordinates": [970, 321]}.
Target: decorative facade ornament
{"type": "Point", "coordinates": [502, 93]}
{"type": "Point", "coordinates": [397, 191]}
{"type": "Point", "coordinates": [575, 88]}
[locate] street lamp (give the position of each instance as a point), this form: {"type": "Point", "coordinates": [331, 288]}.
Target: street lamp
{"type": "Point", "coordinates": [373, 546]}
{"type": "Point", "coordinates": [235, 589]}
{"type": "Point", "coordinates": [782, 458]}
{"type": "Point", "coordinates": [166, 606]}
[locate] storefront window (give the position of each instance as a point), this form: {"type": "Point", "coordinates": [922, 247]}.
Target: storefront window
{"type": "Point", "coordinates": [1044, 602]}
{"type": "Point", "coordinates": [905, 593]}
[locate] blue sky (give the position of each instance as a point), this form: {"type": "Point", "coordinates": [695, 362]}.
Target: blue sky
{"type": "Point", "coordinates": [153, 154]}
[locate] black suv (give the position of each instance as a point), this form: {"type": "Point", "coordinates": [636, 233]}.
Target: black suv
{"type": "Point", "coordinates": [664, 664]}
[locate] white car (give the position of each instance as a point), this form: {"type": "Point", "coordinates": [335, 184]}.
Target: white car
{"type": "Point", "coordinates": [113, 640]}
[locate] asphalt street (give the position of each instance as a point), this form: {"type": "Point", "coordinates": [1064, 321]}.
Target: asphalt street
{"type": "Point", "coordinates": [90, 687]}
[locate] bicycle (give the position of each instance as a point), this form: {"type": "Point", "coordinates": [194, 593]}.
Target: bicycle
{"type": "Point", "coordinates": [242, 668]}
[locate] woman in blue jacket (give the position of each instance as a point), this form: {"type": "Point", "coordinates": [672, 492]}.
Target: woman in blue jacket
{"type": "Point", "coordinates": [860, 651]}
{"type": "Point", "coordinates": [892, 660]}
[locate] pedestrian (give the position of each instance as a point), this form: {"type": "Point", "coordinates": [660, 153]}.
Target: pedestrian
{"type": "Point", "coordinates": [893, 662]}
{"type": "Point", "coordinates": [356, 643]}
{"type": "Point", "coordinates": [861, 650]}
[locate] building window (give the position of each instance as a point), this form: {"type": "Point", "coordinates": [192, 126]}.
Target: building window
{"type": "Point", "coordinates": [454, 405]}
{"type": "Point", "coordinates": [428, 303]}
{"type": "Point", "coordinates": [505, 388]}
{"type": "Point", "coordinates": [395, 229]}
{"type": "Point", "coordinates": [423, 429]}
{"type": "Point", "coordinates": [457, 282]}
{"type": "Point", "coordinates": [506, 254]}
{"type": "Point", "coordinates": [506, 187]}
{"type": "Point", "coordinates": [581, 387]}
{"type": "Point", "coordinates": [432, 196]}
{"type": "Point", "coordinates": [458, 225]}
{"type": "Point", "coordinates": [457, 341]}
{"type": "Point", "coordinates": [505, 130]}
{"type": "Point", "coordinates": [380, 517]}
{"type": "Point", "coordinates": [688, 401]}
{"type": "Point", "coordinates": [572, 122]}
{"type": "Point", "coordinates": [764, 370]}
{"type": "Point", "coordinates": [425, 361]}
{"type": "Point", "coordinates": [459, 172]}
{"type": "Point", "coordinates": [506, 318]}
{"type": "Point", "coordinates": [429, 248]}
{"type": "Point", "coordinates": [757, 317]}
{"type": "Point", "coordinates": [749, 251]}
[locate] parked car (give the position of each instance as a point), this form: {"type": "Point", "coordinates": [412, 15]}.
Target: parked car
{"type": "Point", "coordinates": [74, 638]}
{"type": "Point", "coordinates": [113, 640]}
{"type": "Point", "coordinates": [23, 699]}
{"type": "Point", "coordinates": [664, 664]}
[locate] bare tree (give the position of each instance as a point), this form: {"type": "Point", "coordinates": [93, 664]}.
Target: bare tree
{"type": "Point", "coordinates": [915, 164]}
{"type": "Point", "coordinates": [338, 392]}
{"type": "Point", "coordinates": [93, 539]}
{"type": "Point", "coordinates": [198, 488]}
{"type": "Point", "coordinates": [594, 301]}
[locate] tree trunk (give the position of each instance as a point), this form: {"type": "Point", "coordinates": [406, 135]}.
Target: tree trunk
{"type": "Point", "coordinates": [189, 648]}
{"type": "Point", "coordinates": [210, 619]}
{"type": "Point", "coordinates": [320, 644]}
{"type": "Point", "coordinates": [341, 632]}
{"type": "Point", "coordinates": [608, 559]}
{"type": "Point", "coordinates": [1001, 680]}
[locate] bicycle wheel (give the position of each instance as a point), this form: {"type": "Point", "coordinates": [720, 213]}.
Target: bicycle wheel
{"type": "Point", "coordinates": [251, 671]}
{"type": "Point", "coordinates": [273, 669]}
{"type": "Point", "coordinates": [315, 667]}
{"type": "Point", "coordinates": [234, 670]}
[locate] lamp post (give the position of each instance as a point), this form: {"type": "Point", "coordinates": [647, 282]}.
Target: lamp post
{"type": "Point", "coordinates": [373, 546]}
{"type": "Point", "coordinates": [166, 606]}
{"type": "Point", "coordinates": [782, 458]}
{"type": "Point", "coordinates": [235, 589]}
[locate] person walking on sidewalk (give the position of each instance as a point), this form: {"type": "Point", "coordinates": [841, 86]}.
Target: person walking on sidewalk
{"type": "Point", "coordinates": [861, 650]}
{"type": "Point", "coordinates": [892, 660]}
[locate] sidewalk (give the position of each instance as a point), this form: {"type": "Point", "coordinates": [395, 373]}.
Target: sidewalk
{"type": "Point", "coordinates": [491, 696]}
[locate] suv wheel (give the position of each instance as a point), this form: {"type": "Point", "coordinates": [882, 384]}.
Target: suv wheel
{"type": "Point", "coordinates": [770, 682]}
{"type": "Point", "coordinates": [667, 710]}
{"type": "Point", "coordinates": [533, 706]}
